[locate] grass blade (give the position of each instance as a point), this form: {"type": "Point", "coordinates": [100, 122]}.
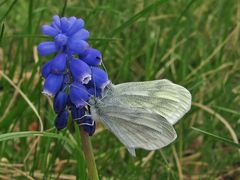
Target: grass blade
{"type": "Point", "coordinates": [14, 135]}
{"type": "Point", "coordinates": [2, 32]}
{"type": "Point", "coordinates": [25, 98]}
{"type": "Point", "coordinates": [227, 110]}
{"type": "Point", "coordinates": [9, 9]}
{"type": "Point", "coordinates": [217, 137]}
{"type": "Point", "coordinates": [64, 8]}
{"type": "Point", "coordinates": [134, 18]}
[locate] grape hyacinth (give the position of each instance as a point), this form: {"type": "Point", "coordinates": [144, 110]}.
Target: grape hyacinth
{"type": "Point", "coordinates": [69, 80]}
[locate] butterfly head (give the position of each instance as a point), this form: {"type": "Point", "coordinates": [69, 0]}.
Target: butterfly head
{"type": "Point", "coordinates": [96, 100]}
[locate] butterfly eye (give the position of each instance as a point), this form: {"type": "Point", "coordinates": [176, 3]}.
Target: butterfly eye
{"type": "Point", "coordinates": [93, 102]}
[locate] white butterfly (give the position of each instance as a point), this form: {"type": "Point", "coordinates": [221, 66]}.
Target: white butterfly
{"type": "Point", "coordinates": [142, 114]}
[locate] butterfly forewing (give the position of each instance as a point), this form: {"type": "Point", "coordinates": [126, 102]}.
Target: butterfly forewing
{"type": "Point", "coordinates": [161, 96]}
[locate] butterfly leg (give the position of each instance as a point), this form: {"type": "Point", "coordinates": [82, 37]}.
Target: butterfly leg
{"type": "Point", "coordinates": [85, 123]}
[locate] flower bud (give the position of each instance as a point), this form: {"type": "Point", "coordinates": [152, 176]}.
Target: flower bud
{"type": "Point", "coordinates": [60, 102]}
{"type": "Point", "coordinates": [64, 24]}
{"type": "Point", "coordinates": [81, 72]}
{"type": "Point", "coordinates": [46, 69]}
{"type": "Point", "coordinates": [49, 30]}
{"type": "Point", "coordinates": [99, 78]}
{"type": "Point", "coordinates": [61, 39]}
{"type": "Point", "coordinates": [46, 48]}
{"type": "Point", "coordinates": [61, 120]}
{"type": "Point", "coordinates": [82, 34]}
{"type": "Point", "coordinates": [77, 113]}
{"type": "Point", "coordinates": [77, 46]}
{"type": "Point", "coordinates": [78, 24]}
{"type": "Point", "coordinates": [78, 94]}
{"type": "Point", "coordinates": [92, 57]}
{"type": "Point", "coordinates": [58, 63]}
{"type": "Point", "coordinates": [52, 84]}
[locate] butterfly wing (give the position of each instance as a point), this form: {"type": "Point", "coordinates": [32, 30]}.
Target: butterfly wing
{"type": "Point", "coordinates": [141, 114]}
{"type": "Point", "coordinates": [169, 100]}
{"type": "Point", "coordinates": [137, 128]}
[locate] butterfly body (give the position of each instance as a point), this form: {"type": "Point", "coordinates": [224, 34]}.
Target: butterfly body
{"type": "Point", "coordinates": [142, 114]}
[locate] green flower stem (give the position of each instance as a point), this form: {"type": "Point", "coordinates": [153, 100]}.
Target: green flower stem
{"type": "Point", "coordinates": [89, 157]}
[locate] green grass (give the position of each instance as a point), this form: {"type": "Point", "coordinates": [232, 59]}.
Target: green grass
{"type": "Point", "coordinates": [191, 42]}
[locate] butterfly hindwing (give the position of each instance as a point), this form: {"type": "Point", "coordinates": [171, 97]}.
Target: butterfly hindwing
{"type": "Point", "coordinates": [137, 128]}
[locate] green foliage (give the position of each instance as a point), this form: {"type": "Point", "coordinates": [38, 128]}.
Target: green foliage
{"type": "Point", "coordinates": [193, 43]}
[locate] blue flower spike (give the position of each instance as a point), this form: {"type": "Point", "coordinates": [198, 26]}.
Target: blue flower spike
{"type": "Point", "coordinates": [69, 80]}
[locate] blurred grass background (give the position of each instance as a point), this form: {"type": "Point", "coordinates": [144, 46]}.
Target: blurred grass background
{"type": "Point", "coordinates": [194, 43]}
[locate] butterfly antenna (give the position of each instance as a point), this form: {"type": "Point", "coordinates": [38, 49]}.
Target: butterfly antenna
{"type": "Point", "coordinates": [105, 93]}
{"type": "Point", "coordinates": [88, 124]}
{"type": "Point", "coordinates": [104, 67]}
{"type": "Point", "coordinates": [87, 103]}
{"type": "Point", "coordinates": [82, 124]}
{"type": "Point", "coordinates": [86, 115]}
{"type": "Point", "coordinates": [94, 85]}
